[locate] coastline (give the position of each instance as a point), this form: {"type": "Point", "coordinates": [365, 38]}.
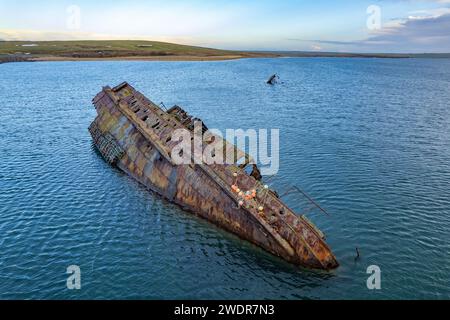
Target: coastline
{"type": "Point", "coordinates": [177, 58]}
{"type": "Point", "coordinates": [130, 50]}
{"type": "Point", "coordinates": [187, 58]}
{"type": "Point", "coordinates": [115, 50]}
{"type": "Point", "coordinates": [168, 58]}
{"type": "Point", "coordinates": [148, 58]}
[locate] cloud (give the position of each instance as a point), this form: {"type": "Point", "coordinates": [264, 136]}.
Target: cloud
{"type": "Point", "coordinates": [238, 26]}
{"type": "Point", "coordinates": [139, 19]}
{"type": "Point", "coordinates": [430, 12]}
{"type": "Point", "coordinates": [440, 1]}
{"type": "Point", "coordinates": [427, 31]}
{"type": "Point", "coordinates": [206, 25]}
{"type": "Point", "coordinates": [416, 33]}
{"type": "Point", "coordinates": [433, 1]}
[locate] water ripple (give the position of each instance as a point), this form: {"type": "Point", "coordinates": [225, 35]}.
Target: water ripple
{"type": "Point", "coordinates": [367, 137]}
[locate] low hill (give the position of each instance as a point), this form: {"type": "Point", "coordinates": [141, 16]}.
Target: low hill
{"type": "Point", "coordinates": [113, 49]}
{"type": "Point", "coordinates": [14, 51]}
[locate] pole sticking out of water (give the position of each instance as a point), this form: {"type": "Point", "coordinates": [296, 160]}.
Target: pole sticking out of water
{"type": "Point", "coordinates": [357, 254]}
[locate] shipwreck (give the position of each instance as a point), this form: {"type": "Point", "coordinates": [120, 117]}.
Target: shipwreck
{"type": "Point", "coordinates": [135, 135]}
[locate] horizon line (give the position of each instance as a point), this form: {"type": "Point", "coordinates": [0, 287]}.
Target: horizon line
{"type": "Point", "coordinates": [241, 50]}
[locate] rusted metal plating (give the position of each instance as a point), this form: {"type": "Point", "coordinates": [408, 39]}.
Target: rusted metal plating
{"type": "Point", "coordinates": [106, 144]}
{"type": "Point", "coordinates": [134, 133]}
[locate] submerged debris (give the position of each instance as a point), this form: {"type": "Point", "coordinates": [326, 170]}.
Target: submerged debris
{"type": "Point", "coordinates": [273, 79]}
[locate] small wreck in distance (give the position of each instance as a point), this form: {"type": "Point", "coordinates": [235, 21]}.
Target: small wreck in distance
{"type": "Point", "coordinates": [273, 79]}
{"type": "Point", "coordinates": [134, 134]}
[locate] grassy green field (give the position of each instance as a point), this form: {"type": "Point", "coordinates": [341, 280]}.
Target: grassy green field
{"type": "Point", "coordinates": [108, 49]}
{"type": "Point", "coordinates": [11, 51]}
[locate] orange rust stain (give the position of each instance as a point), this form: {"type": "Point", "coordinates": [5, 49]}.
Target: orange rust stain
{"type": "Point", "coordinates": [158, 179]}
{"type": "Point", "coordinates": [141, 161]}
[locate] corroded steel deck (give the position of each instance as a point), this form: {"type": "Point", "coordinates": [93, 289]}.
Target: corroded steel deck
{"type": "Point", "coordinates": [134, 134]}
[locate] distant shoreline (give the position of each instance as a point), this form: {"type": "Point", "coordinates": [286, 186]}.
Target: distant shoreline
{"type": "Point", "coordinates": [144, 58]}
{"type": "Point", "coordinates": [28, 51]}
{"type": "Point", "coordinates": [186, 58]}
{"type": "Point", "coordinates": [129, 50]}
{"type": "Point", "coordinates": [134, 58]}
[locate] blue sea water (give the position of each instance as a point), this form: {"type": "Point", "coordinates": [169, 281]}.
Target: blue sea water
{"type": "Point", "coordinates": [368, 138]}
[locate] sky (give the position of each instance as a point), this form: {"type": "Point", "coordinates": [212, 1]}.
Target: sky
{"type": "Point", "coordinates": [413, 26]}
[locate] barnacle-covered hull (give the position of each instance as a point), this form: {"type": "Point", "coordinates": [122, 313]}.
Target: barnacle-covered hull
{"type": "Point", "coordinates": [134, 134]}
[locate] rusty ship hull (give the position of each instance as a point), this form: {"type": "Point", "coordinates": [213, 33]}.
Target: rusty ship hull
{"type": "Point", "coordinates": [134, 134]}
